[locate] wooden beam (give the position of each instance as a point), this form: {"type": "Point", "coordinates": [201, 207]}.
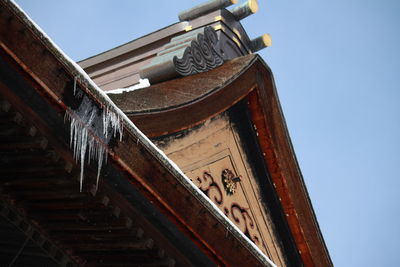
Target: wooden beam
{"type": "Point", "coordinates": [204, 8]}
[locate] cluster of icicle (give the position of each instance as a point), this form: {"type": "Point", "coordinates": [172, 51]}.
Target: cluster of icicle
{"type": "Point", "coordinates": [91, 129]}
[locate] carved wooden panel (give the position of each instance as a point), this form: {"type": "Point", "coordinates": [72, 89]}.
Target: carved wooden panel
{"type": "Point", "coordinates": [212, 157]}
{"type": "Point", "coordinates": [235, 206]}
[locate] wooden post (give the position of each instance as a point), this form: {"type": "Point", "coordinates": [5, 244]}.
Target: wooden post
{"type": "Point", "coordinates": [246, 9]}
{"type": "Point", "coordinates": [204, 8]}
{"type": "Point", "coordinates": [261, 42]}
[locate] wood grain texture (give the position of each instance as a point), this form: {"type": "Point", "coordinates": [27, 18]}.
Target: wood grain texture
{"type": "Point", "coordinates": [181, 104]}
{"type": "Point", "coordinates": [136, 167]}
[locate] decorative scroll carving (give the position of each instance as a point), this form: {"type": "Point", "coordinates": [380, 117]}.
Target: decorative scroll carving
{"type": "Point", "coordinates": [237, 213]}
{"type": "Point", "coordinates": [244, 220]}
{"type": "Point", "coordinates": [210, 188]}
{"type": "Point", "coordinates": [202, 55]}
{"type": "Point", "coordinates": [229, 181]}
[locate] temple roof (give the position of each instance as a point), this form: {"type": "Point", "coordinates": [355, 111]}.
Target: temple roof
{"type": "Point", "coordinates": [140, 193]}
{"type": "Point", "coordinates": [204, 40]}
{"type": "Point", "coordinates": [183, 91]}
{"type": "Point", "coordinates": [179, 104]}
{"type": "Point", "coordinates": [41, 84]}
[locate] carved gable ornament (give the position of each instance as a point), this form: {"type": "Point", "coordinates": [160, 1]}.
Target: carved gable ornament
{"type": "Point", "coordinates": [212, 157]}
{"type": "Point", "coordinates": [202, 54]}
{"type": "Point", "coordinates": [193, 52]}
{"type": "Point", "coordinates": [229, 181]}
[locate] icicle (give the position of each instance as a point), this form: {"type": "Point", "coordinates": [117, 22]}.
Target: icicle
{"type": "Point", "coordinates": [81, 158]}
{"type": "Point", "coordinates": [101, 153]}
{"type": "Point", "coordinates": [75, 78]}
{"type": "Point", "coordinates": [113, 120]}
{"type": "Point", "coordinates": [90, 133]}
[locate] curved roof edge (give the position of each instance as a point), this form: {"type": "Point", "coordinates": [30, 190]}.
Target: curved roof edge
{"type": "Point", "coordinates": [53, 76]}
{"type": "Point", "coordinates": [179, 104]}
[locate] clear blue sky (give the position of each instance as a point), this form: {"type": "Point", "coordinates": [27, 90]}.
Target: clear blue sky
{"type": "Point", "coordinates": [337, 70]}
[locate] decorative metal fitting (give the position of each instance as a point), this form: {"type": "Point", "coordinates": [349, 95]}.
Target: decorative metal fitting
{"type": "Point", "coordinates": [229, 181]}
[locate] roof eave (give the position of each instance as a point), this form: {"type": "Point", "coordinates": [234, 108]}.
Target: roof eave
{"type": "Point", "coordinates": [253, 81]}
{"type": "Point", "coordinates": [54, 73]}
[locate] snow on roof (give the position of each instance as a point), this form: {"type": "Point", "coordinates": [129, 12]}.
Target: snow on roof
{"type": "Point", "coordinates": [84, 78]}
{"type": "Point", "coordinates": [143, 83]}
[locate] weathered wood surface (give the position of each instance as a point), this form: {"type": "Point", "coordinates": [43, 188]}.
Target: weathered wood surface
{"type": "Point", "coordinates": [214, 153]}
{"type": "Point", "coordinates": [179, 104]}
{"type": "Point", "coordinates": [52, 202]}
{"type": "Point", "coordinates": [119, 67]}
{"type": "Point", "coordinates": [183, 103]}
{"type": "Point", "coordinates": [141, 168]}
{"type": "Point", "coordinates": [204, 8]}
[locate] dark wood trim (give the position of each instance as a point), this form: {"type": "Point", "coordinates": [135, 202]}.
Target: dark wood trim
{"type": "Point", "coordinates": [240, 118]}
{"type": "Point", "coordinates": [143, 167]}
{"type": "Point", "coordinates": [43, 118]}
{"type": "Point", "coordinates": [284, 170]}
{"type": "Point", "coordinates": [254, 81]}
{"type": "Point", "coordinates": [185, 117]}
{"type": "Point", "coordinates": [200, 105]}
